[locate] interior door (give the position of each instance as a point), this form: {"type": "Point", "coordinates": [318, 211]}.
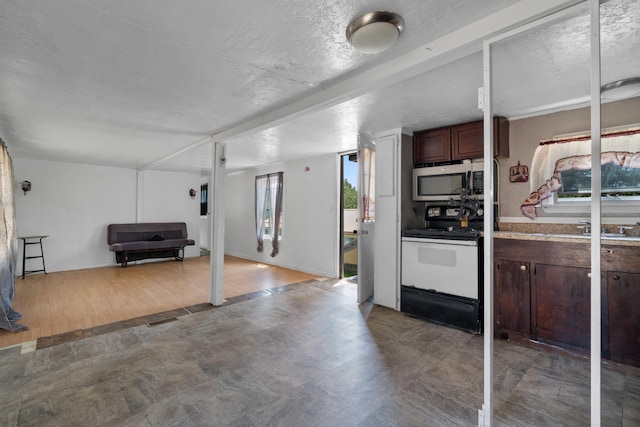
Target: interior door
{"type": "Point", "coordinates": [366, 217]}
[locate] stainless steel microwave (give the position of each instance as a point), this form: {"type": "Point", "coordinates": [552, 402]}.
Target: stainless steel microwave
{"type": "Point", "coordinates": [438, 183]}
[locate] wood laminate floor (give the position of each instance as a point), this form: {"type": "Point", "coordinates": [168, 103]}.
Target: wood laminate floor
{"type": "Point", "coordinates": [307, 355]}
{"type": "Point", "coordinates": [73, 301]}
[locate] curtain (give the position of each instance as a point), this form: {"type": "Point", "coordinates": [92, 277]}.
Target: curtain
{"type": "Point", "coordinates": [269, 189]}
{"type": "Point", "coordinates": [275, 213]}
{"type": "Point", "coordinates": [368, 184]}
{"type": "Point", "coordinates": [261, 200]}
{"type": "Point", "coordinates": [556, 156]}
{"type": "Point", "coordinates": [550, 151]}
{"type": "Point", "coordinates": [8, 246]}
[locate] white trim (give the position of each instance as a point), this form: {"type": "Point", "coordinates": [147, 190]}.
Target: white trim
{"type": "Point", "coordinates": [596, 218]}
{"type": "Point", "coordinates": [485, 417]}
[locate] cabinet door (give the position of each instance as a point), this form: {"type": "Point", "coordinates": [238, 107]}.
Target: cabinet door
{"type": "Point", "coordinates": [467, 141]}
{"type": "Point", "coordinates": [623, 294]}
{"type": "Point", "coordinates": [500, 137]}
{"type": "Point", "coordinates": [512, 298]}
{"type": "Point", "coordinates": [563, 308]}
{"type": "Point", "coordinates": [432, 146]}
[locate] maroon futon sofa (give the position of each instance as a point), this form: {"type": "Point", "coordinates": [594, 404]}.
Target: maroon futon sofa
{"type": "Point", "coordinates": [133, 242]}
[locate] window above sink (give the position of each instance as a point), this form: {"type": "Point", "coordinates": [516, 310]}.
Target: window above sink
{"type": "Point", "coordinates": [561, 175]}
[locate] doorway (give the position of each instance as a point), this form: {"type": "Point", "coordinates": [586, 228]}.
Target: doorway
{"type": "Point", "coordinates": [349, 216]}
{"type": "Point", "coordinates": [204, 218]}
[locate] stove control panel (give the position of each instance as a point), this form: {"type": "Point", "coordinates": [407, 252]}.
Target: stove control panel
{"type": "Point", "coordinates": [452, 212]}
{"type": "Point", "coordinates": [446, 212]}
{"type": "Point", "coordinates": [433, 212]}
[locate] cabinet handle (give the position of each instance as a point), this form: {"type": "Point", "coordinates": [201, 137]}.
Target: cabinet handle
{"type": "Point", "coordinates": [589, 275]}
{"type": "Point", "coordinates": [523, 267]}
{"type": "Point", "coordinates": [616, 277]}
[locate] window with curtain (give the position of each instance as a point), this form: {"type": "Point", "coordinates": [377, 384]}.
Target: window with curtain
{"type": "Point", "coordinates": [204, 199]}
{"type": "Point", "coordinates": [268, 197]}
{"type": "Point", "coordinates": [561, 171]}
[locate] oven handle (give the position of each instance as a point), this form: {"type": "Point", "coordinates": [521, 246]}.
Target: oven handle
{"type": "Point", "coordinates": [440, 241]}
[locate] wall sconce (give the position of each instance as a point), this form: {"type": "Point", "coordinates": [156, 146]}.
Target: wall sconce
{"type": "Point", "coordinates": [26, 186]}
{"type": "Point", "coordinates": [192, 193]}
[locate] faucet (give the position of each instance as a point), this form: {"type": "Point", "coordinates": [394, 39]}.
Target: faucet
{"type": "Point", "coordinates": [622, 228]}
{"type": "Point", "coordinates": [586, 227]}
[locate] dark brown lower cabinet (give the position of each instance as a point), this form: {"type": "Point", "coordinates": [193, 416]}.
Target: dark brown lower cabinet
{"type": "Point", "coordinates": [513, 298]}
{"type": "Point", "coordinates": [563, 309]}
{"type": "Point", "coordinates": [623, 291]}
{"type": "Point", "coordinates": [547, 298]}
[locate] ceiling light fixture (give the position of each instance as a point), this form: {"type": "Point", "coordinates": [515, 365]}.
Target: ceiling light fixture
{"type": "Point", "coordinates": [374, 32]}
{"type": "Point", "coordinates": [621, 89]}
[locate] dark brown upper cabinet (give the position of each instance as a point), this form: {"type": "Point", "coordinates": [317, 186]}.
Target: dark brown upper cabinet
{"type": "Point", "coordinates": [459, 142]}
{"type": "Point", "coordinates": [432, 145]}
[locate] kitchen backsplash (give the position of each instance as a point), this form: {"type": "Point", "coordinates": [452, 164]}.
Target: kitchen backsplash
{"type": "Point", "coordinates": [521, 227]}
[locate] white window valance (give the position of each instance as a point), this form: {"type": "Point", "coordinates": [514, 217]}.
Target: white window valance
{"type": "Point", "coordinates": [550, 151]}
{"type": "Point", "coordinates": [555, 156]}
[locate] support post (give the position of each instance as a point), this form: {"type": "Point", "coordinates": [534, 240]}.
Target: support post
{"type": "Point", "coordinates": [596, 215]}
{"type": "Point", "coordinates": [216, 237]}
{"type": "Point", "coordinates": [486, 414]}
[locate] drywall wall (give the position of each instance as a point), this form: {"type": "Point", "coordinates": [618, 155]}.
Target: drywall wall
{"type": "Point", "coordinates": [525, 136]}
{"type": "Point", "coordinates": [310, 219]}
{"type": "Point", "coordinates": [73, 204]}
{"type": "Point", "coordinates": [165, 198]}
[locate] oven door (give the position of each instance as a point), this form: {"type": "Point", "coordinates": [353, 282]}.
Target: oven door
{"type": "Point", "coordinates": [447, 266]}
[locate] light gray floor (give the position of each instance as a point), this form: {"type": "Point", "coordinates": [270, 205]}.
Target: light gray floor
{"type": "Point", "coordinates": [308, 356]}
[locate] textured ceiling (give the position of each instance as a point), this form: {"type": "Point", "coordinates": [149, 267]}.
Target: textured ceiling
{"type": "Point", "coordinates": [129, 82]}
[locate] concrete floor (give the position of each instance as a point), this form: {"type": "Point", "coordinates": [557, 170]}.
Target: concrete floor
{"type": "Point", "coordinates": [306, 355]}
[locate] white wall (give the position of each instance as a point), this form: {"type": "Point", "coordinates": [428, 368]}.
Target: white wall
{"type": "Point", "coordinates": [165, 198]}
{"type": "Point", "coordinates": [310, 217]}
{"type": "Point", "coordinates": [74, 203]}
{"type": "Point", "coordinates": [525, 136]}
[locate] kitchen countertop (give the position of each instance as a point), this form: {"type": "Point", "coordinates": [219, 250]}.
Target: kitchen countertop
{"type": "Point", "coordinates": [567, 238]}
